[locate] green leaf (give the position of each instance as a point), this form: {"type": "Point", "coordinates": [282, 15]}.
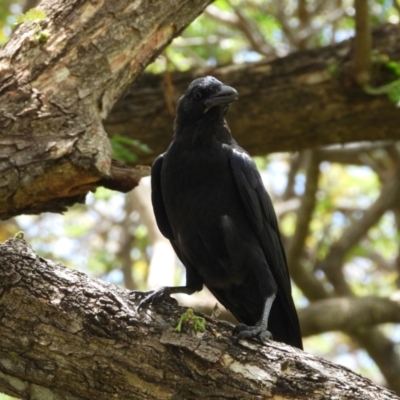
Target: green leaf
{"type": "Point", "coordinates": [197, 323]}
{"type": "Point", "coordinates": [124, 148]}
{"type": "Point", "coordinates": [333, 70]}
{"type": "Point", "coordinates": [34, 14]}
{"type": "Point", "coordinates": [394, 66]}
{"type": "Point", "coordinates": [121, 153]}
{"type": "Point", "coordinates": [394, 92]}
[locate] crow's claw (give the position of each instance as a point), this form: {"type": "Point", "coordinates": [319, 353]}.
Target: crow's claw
{"type": "Point", "coordinates": [155, 296]}
{"type": "Point", "coordinates": [138, 294]}
{"type": "Point", "coordinates": [258, 333]}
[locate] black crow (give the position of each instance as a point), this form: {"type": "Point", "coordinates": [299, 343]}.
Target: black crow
{"type": "Point", "coordinates": [210, 202]}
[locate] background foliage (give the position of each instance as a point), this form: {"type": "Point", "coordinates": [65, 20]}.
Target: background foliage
{"type": "Point", "coordinates": [112, 236]}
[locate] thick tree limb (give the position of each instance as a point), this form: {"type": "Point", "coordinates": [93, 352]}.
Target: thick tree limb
{"type": "Point", "coordinates": [348, 314]}
{"type": "Point", "coordinates": [75, 337]}
{"type": "Point", "coordinates": [304, 100]}
{"type": "Point", "coordinates": [56, 91]}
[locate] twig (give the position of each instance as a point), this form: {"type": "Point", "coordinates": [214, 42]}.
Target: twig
{"type": "Point", "coordinates": [331, 18]}
{"type": "Point", "coordinates": [306, 280]}
{"type": "Point", "coordinates": [239, 21]}
{"type": "Point", "coordinates": [254, 35]}
{"type": "Point", "coordinates": [362, 57]}
{"type": "Point", "coordinates": [295, 162]}
{"type": "Point", "coordinates": [396, 5]}
{"type": "Point", "coordinates": [304, 21]}
{"type": "Point", "coordinates": [169, 91]}
{"type": "Point", "coordinates": [396, 211]}
{"type": "Point", "coordinates": [282, 17]}
{"type": "Point", "coordinates": [304, 214]}
{"type": "Point", "coordinates": [338, 152]}
{"type": "Point", "coordinates": [126, 242]}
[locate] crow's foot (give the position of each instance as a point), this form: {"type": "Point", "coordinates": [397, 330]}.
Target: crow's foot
{"type": "Point", "coordinates": [153, 297]}
{"type": "Point", "coordinates": [257, 332]}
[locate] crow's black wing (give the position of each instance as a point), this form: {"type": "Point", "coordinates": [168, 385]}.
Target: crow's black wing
{"type": "Point", "coordinates": [261, 214]}
{"type": "Point", "coordinates": [157, 199]}
{"type": "Point", "coordinates": [193, 281]}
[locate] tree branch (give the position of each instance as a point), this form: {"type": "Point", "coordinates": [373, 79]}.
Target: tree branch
{"type": "Point", "coordinates": [296, 160]}
{"type": "Point", "coordinates": [66, 334]}
{"type": "Point", "coordinates": [383, 351]}
{"type": "Point", "coordinates": [53, 147]}
{"type": "Point", "coordinates": [333, 109]}
{"type": "Point", "coordinates": [126, 243]}
{"type": "Point", "coordinates": [351, 153]}
{"type": "Point", "coordinates": [161, 269]}
{"type": "Point", "coordinates": [305, 279]}
{"type": "Point", "coordinates": [304, 22]}
{"type": "Point", "coordinates": [248, 27]}
{"type": "Point", "coordinates": [363, 47]}
{"type": "Point", "coordinates": [350, 314]}
{"type": "Point", "coordinates": [396, 5]}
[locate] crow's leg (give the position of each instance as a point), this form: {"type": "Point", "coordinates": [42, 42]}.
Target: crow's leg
{"type": "Point", "coordinates": [260, 329]}
{"type": "Point", "coordinates": [162, 293]}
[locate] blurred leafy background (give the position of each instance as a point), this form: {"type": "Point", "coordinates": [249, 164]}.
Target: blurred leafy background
{"type": "Point", "coordinates": [114, 236]}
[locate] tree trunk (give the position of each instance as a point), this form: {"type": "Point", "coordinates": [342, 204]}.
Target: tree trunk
{"type": "Point", "coordinates": [59, 78]}
{"type": "Point", "coordinates": [65, 335]}
{"type": "Point", "coordinates": [304, 100]}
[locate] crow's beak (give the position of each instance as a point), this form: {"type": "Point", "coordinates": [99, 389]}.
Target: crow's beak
{"type": "Point", "coordinates": [224, 96]}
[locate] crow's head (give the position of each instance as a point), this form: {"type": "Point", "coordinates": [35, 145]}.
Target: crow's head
{"type": "Point", "coordinates": [205, 97]}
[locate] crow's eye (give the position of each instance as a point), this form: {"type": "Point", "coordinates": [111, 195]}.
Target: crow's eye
{"type": "Point", "coordinates": [197, 96]}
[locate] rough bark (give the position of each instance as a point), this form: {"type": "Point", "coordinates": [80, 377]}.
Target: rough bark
{"type": "Point", "coordinates": [307, 99]}
{"type": "Point", "coordinates": [55, 92]}
{"type": "Point", "coordinates": [68, 336]}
